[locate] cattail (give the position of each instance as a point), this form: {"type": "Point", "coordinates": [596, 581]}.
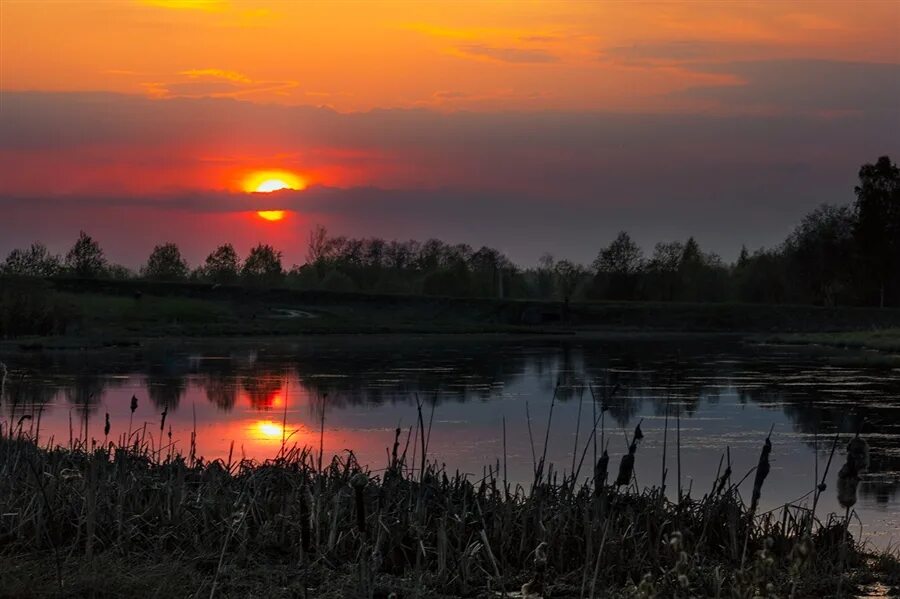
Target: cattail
{"type": "Point", "coordinates": [626, 466]}
{"type": "Point", "coordinates": [638, 433]}
{"type": "Point", "coordinates": [858, 454]}
{"type": "Point", "coordinates": [848, 476]}
{"type": "Point", "coordinates": [133, 403]}
{"type": "Point", "coordinates": [162, 423]}
{"type": "Point", "coordinates": [726, 476]}
{"type": "Point", "coordinates": [848, 480]}
{"type": "Point", "coordinates": [601, 471]}
{"type": "Point", "coordinates": [359, 482]}
{"type": "Point", "coordinates": [106, 426]}
{"type": "Point", "coordinates": [762, 471]}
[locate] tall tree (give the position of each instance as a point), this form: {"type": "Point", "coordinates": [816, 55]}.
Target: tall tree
{"type": "Point", "coordinates": [545, 275]}
{"type": "Point", "coordinates": [165, 264]}
{"type": "Point", "coordinates": [663, 268]}
{"type": "Point", "coordinates": [263, 265]}
{"type": "Point", "coordinates": [878, 224]}
{"type": "Point", "coordinates": [223, 265]}
{"type": "Point", "coordinates": [86, 258]}
{"type": "Point", "coordinates": [820, 253]}
{"type": "Point", "coordinates": [618, 265]}
{"type": "Point", "coordinates": [317, 249]}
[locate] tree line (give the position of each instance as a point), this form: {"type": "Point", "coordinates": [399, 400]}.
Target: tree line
{"type": "Point", "coordinates": [837, 255]}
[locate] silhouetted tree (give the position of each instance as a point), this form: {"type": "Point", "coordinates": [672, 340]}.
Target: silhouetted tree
{"type": "Point", "coordinates": [36, 261]}
{"type": "Point", "coordinates": [663, 270]}
{"type": "Point", "coordinates": [545, 276]}
{"type": "Point", "coordinates": [317, 248]}
{"type": "Point", "coordinates": [263, 266]}
{"type": "Point", "coordinates": [223, 265]}
{"type": "Point", "coordinates": [400, 255]}
{"type": "Point", "coordinates": [761, 277]}
{"type": "Point", "coordinates": [488, 266]}
{"type": "Point", "coordinates": [165, 264]}
{"type": "Point", "coordinates": [86, 258]}
{"type": "Point", "coordinates": [618, 266]}
{"type": "Point", "coordinates": [878, 223]}
{"type": "Point", "coordinates": [820, 254]}
{"type": "Point", "coordinates": [568, 276]}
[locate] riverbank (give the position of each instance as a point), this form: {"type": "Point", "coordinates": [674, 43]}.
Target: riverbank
{"type": "Point", "coordinates": [883, 340]}
{"type": "Point", "coordinates": [116, 312]}
{"type": "Point", "coordinates": [134, 519]}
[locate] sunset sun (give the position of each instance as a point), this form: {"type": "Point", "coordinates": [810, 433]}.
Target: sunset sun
{"type": "Point", "coordinates": [269, 182]}
{"type": "Point", "coordinates": [272, 185]}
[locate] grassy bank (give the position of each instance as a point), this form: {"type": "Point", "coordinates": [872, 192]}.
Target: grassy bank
{"type": "Point", "coordinates": [138, 520]}
{"type": "Point", "coordinates": [123, 310]}
{"type": "Point", "coordinates": [886, 340]}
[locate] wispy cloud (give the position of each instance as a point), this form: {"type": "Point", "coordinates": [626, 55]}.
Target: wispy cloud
{"type": "Point", "coordinates": [216, 74]}
{"type": "Point", "coordinates": [214, 83]}
{"type": "Point", "coordinates": [804, 86]}
{"type": "Point", "coordinates": [507, 54]}
{"type": "Point", "coordinates": [681, 51]}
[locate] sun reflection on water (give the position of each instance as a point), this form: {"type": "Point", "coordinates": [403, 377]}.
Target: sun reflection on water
{"type": "Point", "coordinates": [268, 430]}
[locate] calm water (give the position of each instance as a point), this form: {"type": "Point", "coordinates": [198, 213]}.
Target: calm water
{"type": "Point", "coordinates": [728, 395]}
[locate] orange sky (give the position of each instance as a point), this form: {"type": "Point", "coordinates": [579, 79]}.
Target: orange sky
{"type": "Point", "coordinates": [486, 122]}
{"type": "Point", "coordinates": [447, 55]}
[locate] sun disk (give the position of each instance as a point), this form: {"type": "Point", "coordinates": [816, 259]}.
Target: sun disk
{"type": "Point", "coordinates": [269, 182]}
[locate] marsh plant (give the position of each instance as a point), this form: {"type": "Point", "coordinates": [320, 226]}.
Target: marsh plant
{"type": "Point", "coordinates": [136, 517]}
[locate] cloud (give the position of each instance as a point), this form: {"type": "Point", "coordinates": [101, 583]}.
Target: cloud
{"type": "Point", "coordinates": [804, 85]}
{"type": "Point", "coordinates": [507, 54]}
{"type": "Point", "coordinates": [216, 83]}
{"type": "Point", "coordinates": [233, 76]}
{"type": "Point", "coordinates": [680, 51]}
{"type": "Point", "coordinates": [503, 177]}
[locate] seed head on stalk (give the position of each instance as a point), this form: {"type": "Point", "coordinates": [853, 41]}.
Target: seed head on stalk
{"type": "Point", "coordinates": [626, 466]}
{"type": "Point", "coordinates": [762, 471]}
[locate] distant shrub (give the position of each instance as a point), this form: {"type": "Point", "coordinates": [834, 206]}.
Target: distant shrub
{"type": "Point", "coordinates": [303, 277]}
{"type": "Point", "coordinates": [335, 280]}
{"type": "Point", "coordinates": [31, 307]}
{"type": "Point", "coordinates": [36, 261]}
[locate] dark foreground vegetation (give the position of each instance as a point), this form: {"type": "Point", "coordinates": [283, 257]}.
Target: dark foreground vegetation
{"type": "Point", "coordinates": [837, 255]}
{"type": "Point", "coordinates": [137, 519]}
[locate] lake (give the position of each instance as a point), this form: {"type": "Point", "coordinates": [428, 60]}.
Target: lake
{"type": "Point", "coordinates": [722, 397]}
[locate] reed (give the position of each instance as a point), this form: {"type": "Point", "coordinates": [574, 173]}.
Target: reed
{"type": "Point", "coordinates": [159, 523]}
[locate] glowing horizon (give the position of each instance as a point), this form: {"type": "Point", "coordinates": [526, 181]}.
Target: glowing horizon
{"type": "Point", "coordinates": [495, 123]}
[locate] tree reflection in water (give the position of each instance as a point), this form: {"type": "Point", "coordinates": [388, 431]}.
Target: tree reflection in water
{"type": "Point", "coordinates": [684, 374]}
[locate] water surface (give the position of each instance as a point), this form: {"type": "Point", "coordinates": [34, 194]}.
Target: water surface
{"type": "Point", "coordinates": [722, 397]}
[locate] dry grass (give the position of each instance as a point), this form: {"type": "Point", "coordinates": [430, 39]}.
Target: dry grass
{"type": "Point", "coordinates": [114, 520]}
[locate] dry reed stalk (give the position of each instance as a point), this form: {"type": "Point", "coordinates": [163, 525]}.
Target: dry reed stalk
{"type": "Point", "coordinates": [577, 427]}
{"type": "Point", "coordinates": [662, 484]}
{"type": "Point", "coordinates": [540, 467]}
